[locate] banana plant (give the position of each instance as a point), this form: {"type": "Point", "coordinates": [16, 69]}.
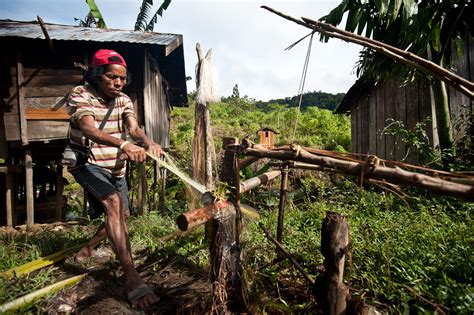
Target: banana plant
{"type": "Point", "coordinates": [94, 18]}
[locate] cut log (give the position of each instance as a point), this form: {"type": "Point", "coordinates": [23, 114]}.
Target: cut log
{"type": "Point", "coordinates": [194, 218]}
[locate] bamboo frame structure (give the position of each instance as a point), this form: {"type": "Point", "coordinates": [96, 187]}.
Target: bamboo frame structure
{"type": "Point", "coordinates": [365, 169]}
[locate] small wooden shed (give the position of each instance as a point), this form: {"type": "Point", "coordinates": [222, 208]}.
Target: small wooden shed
{"type": "Point", "coordinates": [372, 107]}
{"type": "Point", "coordinates": [266, 137]}
{"type": "Point", "coordinates": [39, 65]}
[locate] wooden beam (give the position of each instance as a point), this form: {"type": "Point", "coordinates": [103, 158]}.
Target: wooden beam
{"type": "Point", "coordinates": [46, 114]}
{"type": "Point", "coordinates": [30, 205]}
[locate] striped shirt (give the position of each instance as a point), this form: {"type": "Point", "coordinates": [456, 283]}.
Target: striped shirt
{"type": "Point", "coordinates": [85, 101]}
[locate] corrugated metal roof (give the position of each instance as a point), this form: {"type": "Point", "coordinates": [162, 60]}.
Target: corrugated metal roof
{"type": "Point", "coordinates": [9, 28]}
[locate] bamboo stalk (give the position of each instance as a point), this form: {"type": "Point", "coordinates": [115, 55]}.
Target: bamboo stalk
{"type": "Point", "coordinates": [464, 86]}
{"type": "Point", "coordinates": [17, 303]}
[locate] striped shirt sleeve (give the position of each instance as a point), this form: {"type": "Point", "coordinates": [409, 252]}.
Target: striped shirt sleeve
{"type": "Point", "coordinates": [79, 104]}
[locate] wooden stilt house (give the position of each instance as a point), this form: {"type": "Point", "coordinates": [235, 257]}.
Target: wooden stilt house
{"type": "Point", "coordinates": [38, 68]}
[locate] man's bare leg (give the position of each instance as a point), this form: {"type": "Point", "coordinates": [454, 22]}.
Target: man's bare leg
{"type": "Point", "coordinates": [88, 250]}
{"type": "Point", "coordinates": [117, 232]}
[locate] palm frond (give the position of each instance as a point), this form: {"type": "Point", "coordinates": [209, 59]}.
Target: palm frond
{"type": "Point", "coordinates": [142, 17]}
{"type": "Point", "coordinates": [151, 25]}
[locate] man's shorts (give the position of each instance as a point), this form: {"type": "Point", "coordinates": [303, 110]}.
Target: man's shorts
{"type": "Point", "coordinates": [99, 184]}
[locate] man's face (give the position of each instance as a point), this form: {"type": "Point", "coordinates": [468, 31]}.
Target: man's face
{"type": "Point", "coordinates": [112, 81]}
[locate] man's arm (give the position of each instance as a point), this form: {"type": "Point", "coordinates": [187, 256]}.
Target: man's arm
{"type": "Point", "coordinates": [88, 128]}
{"type": "Point", "coordinates": [140, 137]}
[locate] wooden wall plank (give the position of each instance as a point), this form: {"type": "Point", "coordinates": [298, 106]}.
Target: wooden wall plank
{"type": "Point", "coordinates": [359, 127]}
{"type": "Point", "coordinates": [412, 113]}
{"type": "Point", "coordinates": [364, 119]}
{"type": "Point", "coordinates": [354, 130]}
{"type": "Point", "coordinates": [48, 72]}
{"type": "Point", "coordinates": [48, 80]}
{"type": "Point", "coordinates": [400, 115]}
{"type": "Point", "coordinates": [45, 91]}
{"type": "Point", "coordinates": [46, 114]}
{"type": "Point", "coordinates": [389, 92]}
{"type": "Point", "coordinates": [380, 120]}
{"type": "Point", "coordinates": [40, 130]}
{"type": "Point", "coordinates": [47, 102]}
{"type": "Point", "coordinates": [12, 126]}
{"type": "Point", "coordinates": [372, 120]}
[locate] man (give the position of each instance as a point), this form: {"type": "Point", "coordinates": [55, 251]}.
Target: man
{"type": "Point", "coordinates": [102, 175]}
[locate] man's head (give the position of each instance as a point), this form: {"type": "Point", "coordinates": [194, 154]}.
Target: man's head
{"type": "Point", "coordinates": [108, 73]}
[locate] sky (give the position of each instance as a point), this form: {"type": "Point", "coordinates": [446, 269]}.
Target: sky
{"type": "Point", "coordinates": [248, 43]}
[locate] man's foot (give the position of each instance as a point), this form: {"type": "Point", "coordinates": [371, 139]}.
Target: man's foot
{"type": "Point", "coordinates": [142, 297]}
{"type": "Point", "coordinates": [84, 254]}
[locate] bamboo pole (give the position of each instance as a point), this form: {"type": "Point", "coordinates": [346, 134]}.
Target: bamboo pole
{"type": "Point", "coordinates": [194, 218]}
{"type": "Point", "coordinates": [368, 170]}
{"type": "Point", "coordinates": [253, 182]}
{"type": "Point", "coordinates": [464, 86]}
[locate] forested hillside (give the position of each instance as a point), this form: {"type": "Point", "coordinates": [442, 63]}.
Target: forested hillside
{"type": "Point", "coordinates": [319, 99]}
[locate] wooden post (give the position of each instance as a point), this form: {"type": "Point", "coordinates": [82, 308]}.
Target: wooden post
{"type": "Point", "coordinates": [331, 291]}
{"type": "Point", "coordinates": [21, 100]}
{"type": "Point", "coordinates": [226, 269]}
{"type": "Point", "coordinates": [281, 206]}
{"type": "Point", "coordinates": [30, 193]}
{"type": "Point", "coordinates": [11, 217]}
{"type": "Point", "coordinates": [59, 192]}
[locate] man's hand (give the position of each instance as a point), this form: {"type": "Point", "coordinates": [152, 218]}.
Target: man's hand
{"type": "Point", "coordinates": [134, 152]}
{"type": "Point", "coordinates": [154, 149]}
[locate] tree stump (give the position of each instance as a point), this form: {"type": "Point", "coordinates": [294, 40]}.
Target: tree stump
{"type": "Point", "coordinates": [331, 292]}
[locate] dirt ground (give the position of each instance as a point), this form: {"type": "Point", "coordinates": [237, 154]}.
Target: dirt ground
{"type": "Point", "coordinates": [183, 287]}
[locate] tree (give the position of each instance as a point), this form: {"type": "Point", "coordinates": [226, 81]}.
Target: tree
{"type": "Point", "coordinates": [94, 18]}
{"type": "Point", "coordinates": [143, 23]}
{"type": "Point", "coordinates": [428, 28]}
{"type": "Point", "coordinates": [235, 91]}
